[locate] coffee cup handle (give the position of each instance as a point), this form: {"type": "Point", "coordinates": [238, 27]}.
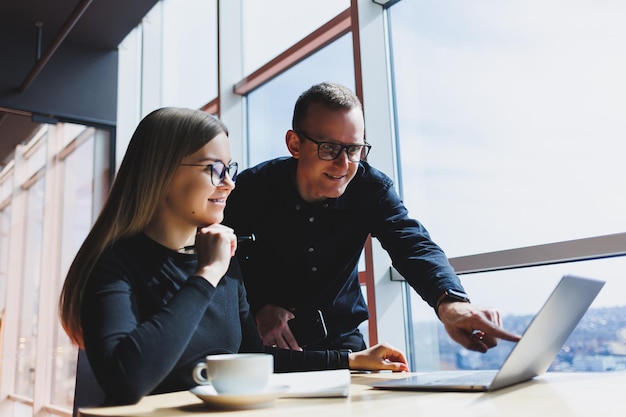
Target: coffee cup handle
{"type": "Point", "coordinates": [197, 374]}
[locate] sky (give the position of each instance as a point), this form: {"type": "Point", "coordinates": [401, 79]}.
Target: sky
{"type": "Point", "coordinates": [511, 125]}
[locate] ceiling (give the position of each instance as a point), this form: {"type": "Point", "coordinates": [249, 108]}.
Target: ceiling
{"type": "Point", "coordinates": [88, 24]}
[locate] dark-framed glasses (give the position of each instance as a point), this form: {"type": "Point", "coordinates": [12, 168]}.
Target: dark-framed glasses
{"type": "Point", "coordinates": [218, 171]}
{"type": "Point", "coordinates": [329, 151]}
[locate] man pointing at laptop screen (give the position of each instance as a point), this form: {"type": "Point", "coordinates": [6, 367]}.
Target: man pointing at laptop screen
{"type": "Point", "coordinates": [311, 214]}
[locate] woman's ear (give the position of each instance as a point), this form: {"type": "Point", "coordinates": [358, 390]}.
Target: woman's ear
{"type": "Point", "coordinates": [293, 143]}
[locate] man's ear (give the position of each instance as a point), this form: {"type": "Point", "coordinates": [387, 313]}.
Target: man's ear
{"type": "Point", "coordinates": [293, 143]}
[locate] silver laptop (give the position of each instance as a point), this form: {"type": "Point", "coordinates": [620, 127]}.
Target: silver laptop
{"type": "Point", "coordinates": [531, 356]}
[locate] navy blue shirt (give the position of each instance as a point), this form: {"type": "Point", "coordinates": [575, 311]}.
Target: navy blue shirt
{"type": "Point", "coordinates": [147, 320]}
{"type": "Point", "coordinates": [306, 254]}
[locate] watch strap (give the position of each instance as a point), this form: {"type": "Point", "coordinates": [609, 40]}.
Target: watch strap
{"type": "Point", "coordinates": [451, 294]}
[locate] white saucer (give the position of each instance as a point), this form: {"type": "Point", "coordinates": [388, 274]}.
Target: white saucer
{"type": "Point", "coordinates": [262, 399]}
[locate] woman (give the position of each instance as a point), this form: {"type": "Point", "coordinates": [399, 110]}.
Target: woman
{"type": "Point", "coordinates": [144, 309]}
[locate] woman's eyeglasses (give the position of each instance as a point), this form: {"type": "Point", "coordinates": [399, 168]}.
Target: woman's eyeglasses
{"type": "Point", "coordinates": [329, 151]}
{"type": "Point", "coordinates": [218, 171]}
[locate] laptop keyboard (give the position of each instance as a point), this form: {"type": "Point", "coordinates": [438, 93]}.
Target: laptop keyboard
{"type": "Point", "coordinates": [469, 378]}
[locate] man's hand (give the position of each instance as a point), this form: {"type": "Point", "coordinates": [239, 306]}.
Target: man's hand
{"type": "Point", "coordinates": [272, 324]}
{"type": "Point", "coordinates": [473, 327]}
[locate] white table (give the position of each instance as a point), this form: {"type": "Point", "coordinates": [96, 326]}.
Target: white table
{"type": "Point", "coordinates": [553, 394]}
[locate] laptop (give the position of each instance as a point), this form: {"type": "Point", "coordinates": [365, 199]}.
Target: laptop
{"type": "Point", "coordinates": [531, 356]}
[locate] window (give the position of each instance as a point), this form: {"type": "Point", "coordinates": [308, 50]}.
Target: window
{"type": "Point", "coordinates": [510, 118]}
{"type": "Point", "coordinates": [272, 26]}
{"type": "Point", "coordinates": [189, 54]}
{"type": "Point", "coordinates": [79, 199]}
{"type": "Point", "coordinates": [61, 176]}
{"type": "Point", "coordinates": [31, 277]}
{"type": "Point", "coordinates": [6, 183]}
{"type": "Point", "coordinates": [509, 128]}
{"type": "Point", "coordinates": [270, 107]}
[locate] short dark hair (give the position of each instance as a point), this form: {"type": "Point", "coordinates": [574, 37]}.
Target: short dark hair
{"type": "Point", "coordinates": [330, 95]}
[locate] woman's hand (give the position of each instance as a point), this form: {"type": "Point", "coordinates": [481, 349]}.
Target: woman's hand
{"type": "Point", "coordinates": [215, 245]}
{"type": "Point", "coordinates": [379, 357]}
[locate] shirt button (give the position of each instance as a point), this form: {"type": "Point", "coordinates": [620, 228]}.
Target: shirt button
{"type": "Point", "coordinates": [297, 206]}
{"type": "Point", "coordinates": [311, 249]}
{"type": "Point", "coordinates": [325, 205]}
{"type": "Point", "coordinates": [311, 219]}
{"type": "Point", "coordinates": [314, 269]}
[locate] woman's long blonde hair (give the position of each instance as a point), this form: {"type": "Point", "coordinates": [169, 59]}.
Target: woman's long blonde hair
{"type": "Point", "coordinates": [160, 142]}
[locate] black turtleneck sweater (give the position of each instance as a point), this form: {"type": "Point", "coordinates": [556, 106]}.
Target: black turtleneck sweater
{"type": "Point", "coordinates": [147, 321]}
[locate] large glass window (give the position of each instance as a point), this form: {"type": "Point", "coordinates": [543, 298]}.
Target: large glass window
{"type": "Point", "coordinates": [510, 123]}
{"type": "Point", "coordinates": [77, 209]}
{"type": "Point", "coordinates": [72, 162]}
{"type": "Point", "coordinates": [31, 277]}
{"type": "Point", "coordinates": [272, 26]}
{"type": "Point", "coordinates": [270, 107]}
{"type": "Point", "coordinates": [6, 183]}
{"type": "Point", "coordinates": [189, 61]}
{"type": "Point", "coordinates": [511, 119]}
{"type": "Point", "coordinates": [597, 344]}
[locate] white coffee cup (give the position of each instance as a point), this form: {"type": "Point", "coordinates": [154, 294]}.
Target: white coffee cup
{"type": "Point", "coordinates": [235, 373]}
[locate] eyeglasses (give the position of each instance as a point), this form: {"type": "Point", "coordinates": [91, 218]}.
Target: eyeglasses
{"type": "Point", "coordinates": [218, 171]}
{"type": "Point", "coordinates": [329, 151]}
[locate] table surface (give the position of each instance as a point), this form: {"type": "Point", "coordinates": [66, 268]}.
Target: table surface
{"type": "Point", "coordinates": [552, 394]}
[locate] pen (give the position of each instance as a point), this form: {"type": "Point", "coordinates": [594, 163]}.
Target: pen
{"type": "Point", "coordinates": [245, 238]}
{"type": "Point", "coordinates": [242, 238]}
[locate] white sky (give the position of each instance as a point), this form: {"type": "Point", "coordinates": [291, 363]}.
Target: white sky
{"type": "Point", "coordinates": [512, 126]}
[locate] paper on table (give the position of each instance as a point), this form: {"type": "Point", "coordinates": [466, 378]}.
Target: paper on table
{"type": "Point", "coordinates": [334, 383]}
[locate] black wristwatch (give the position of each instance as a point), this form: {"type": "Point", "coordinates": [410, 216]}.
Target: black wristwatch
{"type": "Point", "coordinates": [455, 295]}
{"type": "Point", "coordinates": [451, 295]}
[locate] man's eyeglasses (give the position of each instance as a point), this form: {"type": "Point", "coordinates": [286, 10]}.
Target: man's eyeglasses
{"type": "Point", "coordinates": [329, 151]}
{"type": "Point", "coordinates": [218, 171]}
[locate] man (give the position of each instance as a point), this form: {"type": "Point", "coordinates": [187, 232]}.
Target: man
{"type": "Point", "coordinates": [311, 215]}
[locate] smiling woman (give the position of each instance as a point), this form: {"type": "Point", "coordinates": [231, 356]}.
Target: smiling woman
{"type": "Point", "coordinates": [145, 188]}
